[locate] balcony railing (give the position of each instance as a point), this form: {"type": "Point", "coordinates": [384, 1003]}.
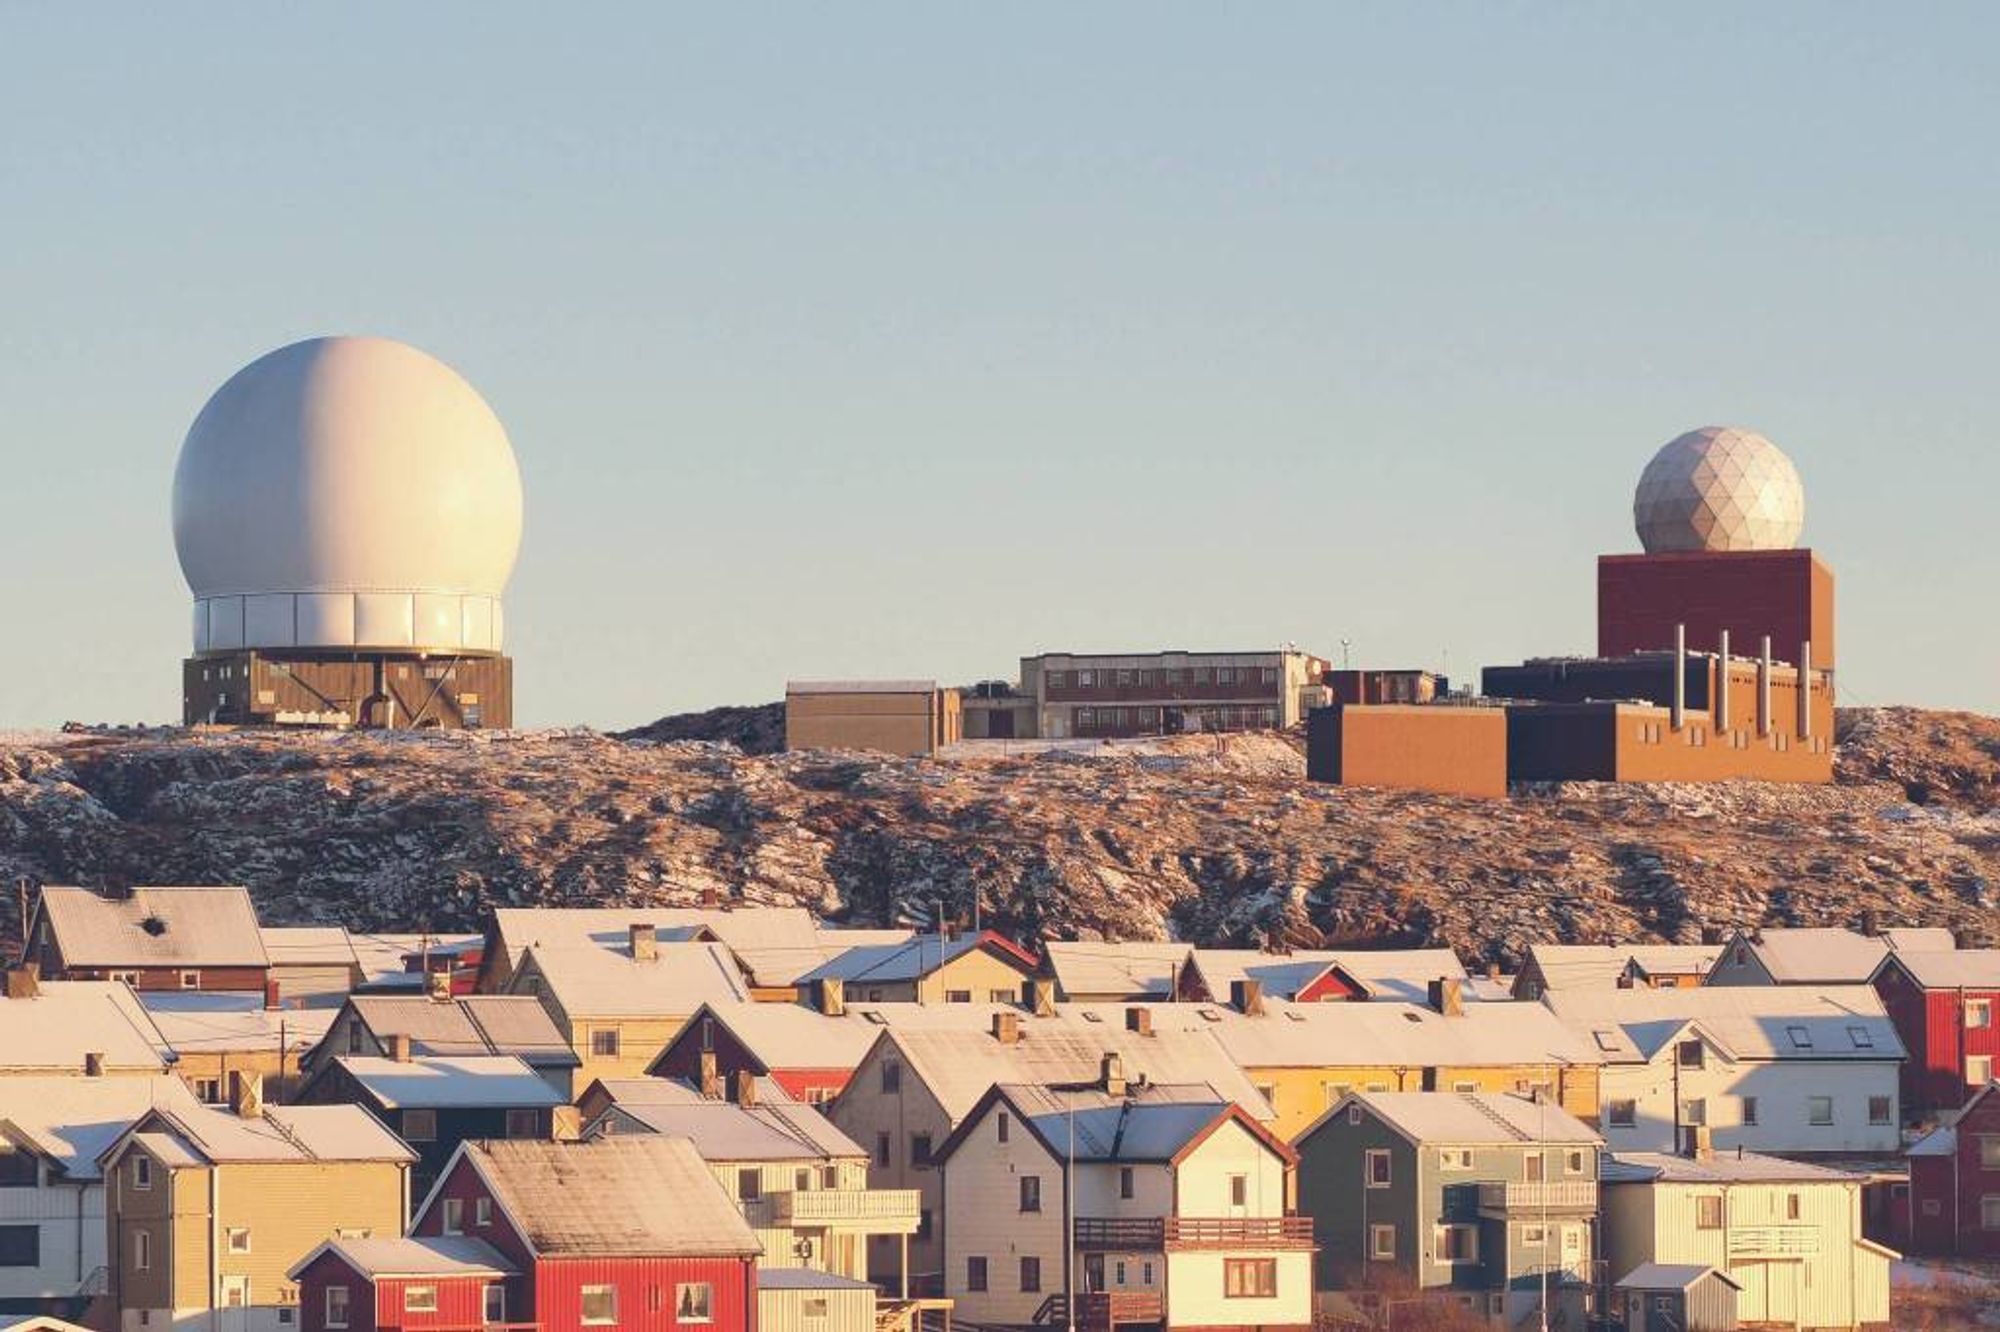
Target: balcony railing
{"type": "Point", "coordinates": [1558, 1195]}
{"type": "Point", "coordinates": [1102, 1310]}
{"type": "Point", "coordinates": [1140, 1234]}
{"type": "Point", "coordinates": [881, 1211]}
{"type": "Point", "coordinates": [1773, 1242]}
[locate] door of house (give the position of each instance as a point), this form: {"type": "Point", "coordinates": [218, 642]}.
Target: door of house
{"type": "Point", "coordinates": [1572, 1249]}
{"type": "Point", "coordinates": [1093, 1271]}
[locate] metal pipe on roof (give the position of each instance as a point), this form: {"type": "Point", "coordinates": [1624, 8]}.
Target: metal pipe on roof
{"type": "Point", "coordinates": [1764, 687]}
{"type": "Point", "coordinates": [1680, 674]}
{"type": "Point", "coordinates": [1805, 689]}
{"type": "Point", "coordinates": [1721, 700]}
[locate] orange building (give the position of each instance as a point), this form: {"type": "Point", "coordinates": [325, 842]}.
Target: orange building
{"type": "Point", "coordinates": [1449, 750]}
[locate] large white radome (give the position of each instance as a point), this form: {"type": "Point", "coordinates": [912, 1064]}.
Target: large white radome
{"type": "Point", "coordinates": [347, 492]}
{"type": "Point", "coordinates": [1719, 488]}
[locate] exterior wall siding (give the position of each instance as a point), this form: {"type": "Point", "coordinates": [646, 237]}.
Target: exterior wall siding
{"type": "Point", "coordinates": [69, 1219]}
{"type": "Point", "coordinates": [1782, 1090]}
{"type": "Point", "coordinates": [982, 1196]}
{"type": "Point", "coordinates": [646, 1291]}
{"type": "Point", "coordinates": [843, 1310]}
{"type": "Point", "coordinates": [864, 1112]}
{"type": "Point", "coordinates": [1933, 1028]}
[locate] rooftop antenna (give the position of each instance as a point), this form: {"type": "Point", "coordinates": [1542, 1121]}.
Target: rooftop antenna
{"type": "Point", "coordinates": [1345, 644]}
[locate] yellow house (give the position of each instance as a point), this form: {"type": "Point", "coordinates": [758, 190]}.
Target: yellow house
{"type": "Point", "coordinates": [207, 1210]}
{"type": "Point", "coordinates": [619, 1007]}
{"type": "Point", "coordinates": [982, 968]}
{"type": "Point", "coordinates": [216, 1035]}
{"type": "Point", "coordinates": [1305, 1057]}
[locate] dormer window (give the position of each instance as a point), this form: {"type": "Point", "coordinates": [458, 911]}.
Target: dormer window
{"type": "Point", "coordinates": [1862, 1038]}
{"type": "Point", "coordinates": [1800, 1038]}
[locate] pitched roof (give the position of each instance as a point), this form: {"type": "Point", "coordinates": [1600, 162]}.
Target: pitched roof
{"type": "Point", "coordinates": [281, 1133]}
{"type": "Point", "coordinates": [1671, 1276]}
{"type": "Point", "coordinates": [1969, 968]}
{"type": "Point", "coordinates": [1599, 966]}
{"type": "Point", "coordinates": [806, 1278]}
{"type": "Point", "coordinates": [912, 958]}
{"type": "Point", "coordinates": [1400, 973]}
{"type": "Point", "coordinates": [472, 1024]}
{"type": "Point", "coordinates": [218, 1022]}
{"type": "Point", "coordinates": [383, 957]}
{"type": "Point", "coordinates": [1746, 1022]}
{"type": "Point", "coordinates": [952, 1048]}
{"type": "Point", "coordinates": [681, 977]}
{"type": "Point", "coordinates": [1825, 956]}
{"type": "Point", "coordinates": [450, 1082]}
{"type": "Point", "coordinates": [612, 1196]}
{"type": "Point", "coordinates": [413, 1256]}
{"type": "Point", "coordinates": [1280, 976]}
{"type": "Point", "coordinates": [1720, 1168]}
{"type": "Point", "coordinates": [1150, 1123]}
{"type": "Point", "coordinates": [67, 1019]}
{"type": "Point", "coordinates": [725, 1131]}
{"type": "Point", "coordinates": [155, 927]}
{"type": "Point", "coordinates": [71, 1120]}
{"type": "Point", "coordinates": [1094, 968]}
{"type": "Point", "coordinates": [786, 1035]}
{"type": "Point", "coordinates": [776, 945]}
{"type": "Point", "coordinates": [1467, 1118]}
{"type": "Point", "coordinates": [1919, 939]}
{"type": "Point", "coordinates": [307, 946]}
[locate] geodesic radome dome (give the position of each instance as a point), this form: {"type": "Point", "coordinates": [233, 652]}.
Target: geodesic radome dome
{"type": "Point", "coordinates": [1719, 488]}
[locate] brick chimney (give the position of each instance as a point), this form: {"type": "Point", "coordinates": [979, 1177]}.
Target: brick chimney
{"type": "Point", "coordinates": [1247, 997]}
{"type": "Point", "coordinates": [645, 942]}
{"type": "Point", "coordinates": [273, 996]}
{"type": "Point", "coordinates": [1007, 1026]}
{"type": "Point", "coordinates": [93, 1064]}
{"type": "Point", "coordinates": [399, 1046]}
{"type": "Point", "coordinates": [1111, 1075]}
{"type": "Point", "coordinates": [246, 1095]}
{"type": "Point", "coordinates": [744, 1088]}
{"type": "Point", "coordinates": [711, 1076]}
{"type": "Point", "coordinates": [830, 996]}
{"type": "Point", "coordinates": [710, 900]}
{"type": "Point", "coordinates": [1139, 1020]}
{"type": "Point", "coordinates": [24, 981]}
{"type": "Point", "coordinates": [1493, 971]}
{"type": "Point", "coordinates": [1448, 996]}
{"type": "Point", "coordinates": [438, 985]}
{"type": "Point", "coordinates": [1042, 997]}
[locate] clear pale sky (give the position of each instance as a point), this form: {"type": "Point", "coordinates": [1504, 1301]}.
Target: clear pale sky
{"type": "Point", "coordinates": [905, 340]}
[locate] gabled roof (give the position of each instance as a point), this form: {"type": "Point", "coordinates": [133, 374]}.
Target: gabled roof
{"type": "Point", "coordinates": [1403, 974]}
{"type": "Point", "coordinates": [596, 982]}
{"type": "Point", "coordinates": [1150, 1123]}
{"type": "Point", "coordinates": [196, 1022]}
{"type": "Point", "coordinates": [413, 1256]}
{"type": "Point", "coordinates": [1600, 966]}
{"type": "Point", "coordinates": [307, 946]}
{"type": "Point", "coordinates": [301, 1133]}
{"type": "Point", "coordinates": [66, 1020]}
{"type": "Point", "coordinates": [1959, 968]}
{"type": "Point", "coordinates": [1719, 1168]}
{"type": "Point", "coordinates": [723, 1131]}
{"type": "Point", "coordinates": [383, 957]}
{"type": "Point", "coordinates": [913, 958]}
{"type": "Point", "coordinates": [952, 1048]}
{"type": "Point", "coordinates": [1815, 956]}
{"type": "Point", "coordinates": [781, 1036]}
{"type": "Point", "coordinates": [1943, 1140]}
{"type": "Point", "coordinates": [1672, 1276]}
{"type": "Point", "coordinates": [155, 927]}
{"type": "Point", "coordinates": [1094, 968]}
{"type": "Point", "coordinates": [1465, 1119]}
{"type": "Point", "coordinates": [71, 1120]}
{"type": "Point", "coordinates": [1919, 939]}
{"type": "Point", "coordinates": [472, 1024]}
{"type": "Point", "coordinates": [448, 1082]}
{"type": "Point", "coordinates": [1215, 971]}
{"type": "Point", "coordinates": [776, 945]}
{"type": "Point", "coordinates": [1745, 1022]}
{"type": "Point", "coordinates": [609, 1197]}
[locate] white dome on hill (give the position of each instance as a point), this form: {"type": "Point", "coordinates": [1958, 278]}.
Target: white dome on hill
{"type": "Point", "coordinates": [347, 493]}
{"type": "Point", "coordinates": [1719, 488]}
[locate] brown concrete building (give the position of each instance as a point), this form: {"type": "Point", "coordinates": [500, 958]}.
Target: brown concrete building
{"type": "Point", "coordinates": [1449, 750]}
{"type": "Point", "coordinates": [1405, 686]}
{"type": "Point", "coordinates": [256, 687]}
{"type": "Point", "coordinates": [1088, 696]}
{"type": "Point", "coordinates": [1747, 594]}
{"type": "Point", "coordinates": [906, 717]}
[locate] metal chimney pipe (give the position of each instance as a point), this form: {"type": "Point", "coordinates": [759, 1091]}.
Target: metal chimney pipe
{"type": "Point", "coordinates": [1805, 689]}
{"type": "Point", "coordinates": [1764, 687]}
{"type": "Point", "coordinates": [1720, 702]}
{"type": "Point", "coordinates": [1680, 674]}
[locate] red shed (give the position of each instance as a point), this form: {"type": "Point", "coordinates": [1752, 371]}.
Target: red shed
{"type": "Point", "coordinates": [632, 1231]}
{"type": "Point", "coordinates": [1955, 1183]}
{"type": "Point", "coordinates": [1944, 1004]}
{"type": "Point", "coordinates": [406, 1285]}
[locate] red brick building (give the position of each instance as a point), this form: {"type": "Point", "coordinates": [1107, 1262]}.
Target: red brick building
{"type": "Point", "coordinates": [1787, 594]}
{"type": "Point", "coordinates": [1955, 1183]}
{"type": "Point", "coordinates": [1944, 1005]}
{"type": "Point", "coordinates": [633, 1232]}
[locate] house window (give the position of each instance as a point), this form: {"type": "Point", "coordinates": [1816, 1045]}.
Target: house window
{"type": "Point", "coordinates": [1031, 1275]}
{"type": "Point", "coordinates": [1535, 1237]}
{"type": "Point", "coordinates": [420, 1126]}
{"type": "Point", "coordinates": [749, 1184]}
{"type": "Point", "coordinates": [1127, 1185]}
{"type": "Point", "coordinates": [1933, 1207]}
{"type": "Point", "coordinates": [208, 1090]}
{"type": "Point", "coordinates": [892, 1079]}
{"type": "Point", "coordinates": [1250, 1278]}
{"type": "Point", "coordinates": [1002, 996]}
{"type": "Point", "coordinates": [1750, 1111]}
{"type": "Point", "coordinates": [190, 980]}
{"type": "Point", "coordinates": [1031, 1193]}
{"type": "Point", "coordinates": [18, 1169]}
{"type": "Point", "coordinates": [1978, 1070]}
{"type": "Point", "coordinates": [236, 1292]}
{"type": "Point", "coordinates": [1708, 1212]}
{"type": "Point", "coordinates": [336, 1306]}
{"type": "Point", "coordinates": [1146, 1273]}
{"type": "Point", "coordinates": [1002, 1126]}
{"type": "Point", "coordinates": [1456, 1244]}
{"type": "Point", "coordinates": [958, 996]}
{"type": "Point", "coordinates": [1382, 1243]}
{"type": "Point", "coordinates": [920, 1150]}
{"type": "Point", "coordinates": [694, 1302]}
{"type": "Point", "coordinates": [1791, 1207]}
{"type": "Point", "coordinates": [1819, 1110]}
{"type": "Point", "coordinates": [1239, 1190]}
{"type": "Point", "coordinates": [1989, 1213]}
{"type": "Point", "coordinates": [881, 1149]}
{"type": "Point", "coordinates": [1989, 1151]}
{"type": "Point", "coordinates": [420, 1299]}
{"type": "Point", "coordinates": [142, 1172]}
{"type": "Point", "coordinates": [1534, 1168]}
{"type": "Point", "coordinates": [708, 1033]}
{"type": "Point", "coordinates": [1979, 1012]}
{"type": "Point", "coordinates": [20, 1246]}
{"type": "Point", "coordinates": [1688, 1054]}
{"type": "Point", "coordinates": [355, 1039]}
{"type": "Point", "coordinates": [1694, 1112]}
{"type": "Point", "coordinates": [1621, 1114]}
{"type": "Point", "coordinates": [604, 1043]}
{"type": "Point", "coordinates": [802, 1180]}
{"type": "Point", "coordinates": [454, 1216]}
{"type": "Point", "coordinates": [1120, 1270]}
{"type": "Point", "coordinates": [495, 1303]}
{"type": "Point", "coordinates": [1574, 1163]}
{"type": "Point", "coordinates": [975, 1272]}
{"type": "Point", "coordinates": [524, 1124]}
{"type": "Point", "coordinates": [1378, 1174]}
{"type": "Point", "coordinates": [600, 1304]}
{"type": "Point", "coordinates": [142, 1250]}
{"type": "Point", "coordinates": [237, 1239]}
{"type": "Point", "coordinates": [1880, 1109]}
{"type": "Point", "coordinates": [1455, 1158]}
{"type": "Point", "coordinates": [482, 1211]}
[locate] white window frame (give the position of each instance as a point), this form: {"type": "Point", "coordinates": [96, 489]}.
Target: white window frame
{"type": "Point", "coordinates": [190, 980]}
{"type": "Point", "coordinates": [453, 1222]}
{"type": "Point", "coordinates": [1978, 1070]}
{"type": "Point", "coordinates": [1978, 1013]}
{"type": "Point", "coordinates": [235, 1291]}
{"type": "Point", "coordinates": [1439, 1244]}
{"type": "Point", "coordinates": [708, 1302]}
{"type": "Point", "coordinates": [482, 1212]}
{"type": "Point", "coordinates": [420, 1298]}
{"type": "Point", "coordinates": [1813, 1105]}
{"type": "Point", "coordinates": [1388, 1160]}
{"type": "Point", "coordinates": [232, 1235]}
{"type": "Point", "coordinates": [495, 1293]}
{"type": "Point", "coordinates": [142, 1171]}
{"type": "Point", "coordinates": [336, 1295]}
{"type": "Point", "coordinates": [142, 1250]}
{"type": "Point", "coordinates": [1381, 1243]}
{"type": "Point", "coordinates": [583, 1296]}
{"type": "Point", "coordinates": [1455, 1158]}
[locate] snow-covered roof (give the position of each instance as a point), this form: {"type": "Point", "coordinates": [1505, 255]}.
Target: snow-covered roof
{"type": "Point", "coordinates": [71, 1120]}
{"type": "Point", "coordinates": [911, 958]}
{"type": "Point", "coordinates": [1599, 966]}
{"type": "Point", "coordinates": [414, 1256]}
{"type": "Point", "coordinates": [679, 978]}
{"type": "Point", "coordinates": [776, 945]}
{"type": "Point", "coordinates": [1467, 1118]}
{"type": "Point", "coordinates": [1818, 955]}
{"type": "Point", "coordinates": [224, 1022]}
{"type": "Point", "coordinates": [280, 1133]}
{"type": "Point", "coordinates": [1967, 968]}
{"type": "Point", "coordinates": [726, 1131]}
{"type": "Point", "coordinates": [65, 1020]}
{"type": "Point", "coordinates": [1724, 1167]}
{"type": "Point", "coordinates": [155, 927]}
{"type": "Point", "coordinates": [1098, 969]}
{"type": "Point", "coordinates": [1746, 1022]}
{"type": "Point", "coordinates": [787, 1035]}
{"type": "Point", "coordinates": [451, 1082]}
{"type": "Point", "coordinates": [307, 946]}
{"type": "Point", "coordinates": [1150, 1123]}
{"type": "Point", "coordinates": [472, 1024]}
{"type": "Point", "coordinates": [1671, 1276]}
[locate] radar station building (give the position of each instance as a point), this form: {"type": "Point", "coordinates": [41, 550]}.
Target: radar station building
{"type": "Point", "coordinates": [347, 513]}
{"type": "Point", "coordinates": [1715, 655]}
{"type": "Point", "coordinates": [903, 717]}
{"type": "Point", "coordinates": [1067, 695]}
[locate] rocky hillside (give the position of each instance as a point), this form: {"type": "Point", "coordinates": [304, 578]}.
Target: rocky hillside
{"type": "Point", "coordinates": [1212, 840]}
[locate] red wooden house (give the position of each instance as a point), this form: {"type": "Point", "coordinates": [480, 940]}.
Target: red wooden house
{"type": "Point", "coordinates": [633, 1232]}
{"type": "Point", "coordinates": [1944, 1005]}
{"type": "Point", "coordinates": [1955, 1183]}
{"type": "Point", "coordinates": [808, 1053]}
{"type": "Point", "coordinates": [406, 1285]}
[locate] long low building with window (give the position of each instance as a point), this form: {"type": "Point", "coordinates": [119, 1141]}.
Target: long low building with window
{"type": "Point", "coordinates": [1066, 695]}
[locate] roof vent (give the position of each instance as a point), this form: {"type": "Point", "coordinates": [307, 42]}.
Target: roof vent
{"type": "Point", "coordinates": [154, 926]}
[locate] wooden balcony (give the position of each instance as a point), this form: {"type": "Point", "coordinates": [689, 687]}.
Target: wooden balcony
{"type": "Point", "coordinates": [1516, 1197]}
{"type": "Point", "coordinates": [1104, 1310]}
{"type": "Point", "coordinates": [1142, 1234]}
{"type": "Point", "coordinates": [1779, 1241]}
{"type": "Point", "coordinates": [869, 1211]}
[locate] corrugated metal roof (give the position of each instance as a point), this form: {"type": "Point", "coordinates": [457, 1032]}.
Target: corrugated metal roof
{"type": "Point", "coordinates": [1720, 1168]}
{"type": "Point", "coordinates": [614, 1196]}
{"type": "Point", "coordinates": [1599, 966]}
{"type": "Point", "coordinates": [472, 1024]}
{"type": "Point", "coordinates": [452, 1082]}
{"type": "Point", "coordinates": [155, 927]}
{"type": "Point", "coordinates": [67, 1019]}
{"type": "Point", "coordinates": [1470, 1118]}
{"type": "Point", "coordinates": [1748, 1022]}
{"type": "Point", "coordinates": [72, 1119]}
{"type": "Point", "coordinates": [723, 1131]}
{"type": "Point", "coordinates": [805, 1278]}
{"type": "Point", "coordinates": [280, 1133]}
{"type": "Point", "coordinates": [1825, 956]}
{"type": "Point", "coordinates": [415, 1256]}
{"type": "Point", "coordinates": [681, 977]}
